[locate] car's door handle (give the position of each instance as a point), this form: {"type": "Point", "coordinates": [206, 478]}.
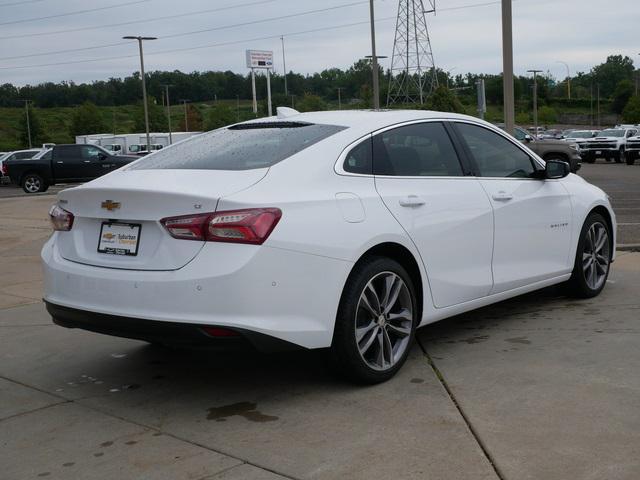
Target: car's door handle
{"type": "Point", "coordinates": [59, 161]}
{"type": "Point", "coordinates": [87, 161]}
{"type": "Point", "coordinates": [502, 197]}
{"type": "Point", "coordinates": [411, 201]}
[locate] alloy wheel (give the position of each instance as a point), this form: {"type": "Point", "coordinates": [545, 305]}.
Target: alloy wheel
{"type": "Point", "coordinates": [32, 184]}
{"type": "Point", "coordinates": [384, 321]}
{"type": "Point", "coordinates": [596, 256]}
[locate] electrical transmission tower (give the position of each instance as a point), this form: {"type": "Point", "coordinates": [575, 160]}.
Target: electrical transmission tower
{"type": "Point", "coordinates": [413, 71]}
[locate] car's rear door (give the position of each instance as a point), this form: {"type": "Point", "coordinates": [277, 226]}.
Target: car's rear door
{"type": "Point", "coordinates": [446, 213]}
{"type": "Point", "coordinates": [68, 164]}
{"type": "Point", "coordinates": [532, 215]}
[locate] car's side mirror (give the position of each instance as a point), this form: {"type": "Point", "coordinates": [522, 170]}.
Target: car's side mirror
{"type": "Point", "coordinates": [102, 156]}
{"type": "Point", "coordinates": [528, 138]}
{"type": "Point", "coordinates": [555, 169]}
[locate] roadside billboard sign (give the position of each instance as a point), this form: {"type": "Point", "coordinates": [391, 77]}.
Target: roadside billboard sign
{"type": "Point", "coordinates": [259, 59]}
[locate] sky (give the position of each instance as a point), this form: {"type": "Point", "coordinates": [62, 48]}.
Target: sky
{"type": "Point", "coordinates": [465, 35]}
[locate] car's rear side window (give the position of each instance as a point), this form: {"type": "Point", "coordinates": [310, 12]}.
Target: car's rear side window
{"type": "Point", "coordinates": [240, 147]}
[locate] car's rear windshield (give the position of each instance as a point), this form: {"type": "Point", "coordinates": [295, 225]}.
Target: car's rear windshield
{"type": "Point", "coordinates": [246, 146]}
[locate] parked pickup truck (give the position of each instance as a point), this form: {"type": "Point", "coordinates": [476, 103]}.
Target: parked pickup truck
{"type": "Point", "coordinates": [610, 144]}
{"type": "Point", "coordinates": [550, 149]}
{"type": "Point", "coordinates": [64, 164]}
{"type": "Point", "coordinates": [632, 150]}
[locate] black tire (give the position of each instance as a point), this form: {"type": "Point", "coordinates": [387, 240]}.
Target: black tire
{"type": "Point", "coordinates": [631, 160]}
{"type": "Point", "coordinates": [33, 183]}
{"type": "Point", "coordinates": [620, 155]}
{"type": "Point", "coordinates": [344, 355]}
{"type": "Point", "coordinates": [579, 285]}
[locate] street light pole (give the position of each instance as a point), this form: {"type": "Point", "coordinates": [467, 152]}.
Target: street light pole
{"type": "Point", "coordinates": [284, 67]}
{"type": "Point", "coordinates": [166, 95]}
{"type": "Point", "coordinates": [568, 78]}
{"type": "Point", "coordinates": [507, 67]}
{"type": "Point", "coordinates": [374, 60]}
{"type": "Point", "coordinates": [144, 84]}
{"type": "Point", "coordinates": [535, 100]}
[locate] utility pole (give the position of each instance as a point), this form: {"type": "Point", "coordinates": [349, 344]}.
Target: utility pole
{"type": "Point", "coordinates": [144, 84]}
{"type": "Point", "coordinates": [26, 108]}
{"type": "Point", "coordinates": [568, 78]}
{"type": "Point", "coordinates": [591, 107]}
{"type": "Point", "coordinates": [166, 95]}
{"type": "Point", "coordinates": [507, 67]}
{"type": "Point", "coordinates": [535, 99]}
{"type": "Point", "coordinates": [374, 60]}
{"type": "Point", "coordinates": [284, 68]}
{"type": "Point", "coordinates": [186, 116]}
{"type": "Point", "coordinates": [339, 98]}
{"type": "Point", "coordinates": [598, 87]}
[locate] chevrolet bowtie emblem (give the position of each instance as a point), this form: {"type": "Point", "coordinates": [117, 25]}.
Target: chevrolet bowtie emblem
{"type": "Point", "coordinates": [110, 205]}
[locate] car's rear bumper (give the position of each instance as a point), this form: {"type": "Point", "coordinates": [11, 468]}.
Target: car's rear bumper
{"type": "Point", "coordinates": [167, 333]}
{"type": "Point", "coordinates": [279, 293]}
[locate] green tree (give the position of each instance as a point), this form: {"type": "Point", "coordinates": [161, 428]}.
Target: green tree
{"type": "Point", "coordinates": [310, 103]}
{"type": "Point", "coordinates": [157, 117]}
{"type": "Point", "coordinates": [194, 120]}
{"type": "Point", "coordinates": [86, 120]}
{"type": "Point", "coordinates": [631, 113]}
{"type": "Point", "coordinates": [612, 72]}
{"type": "Point", "coordinates": [547, 115]}
{"type": "Point", "coordinates": [444, 100]}
{"type": "Point", "coordinates": [621, 95]}
{"type": "Point", "coordinates": [38, 135]}
{"type": "Point", "coordinates": [220, 116]}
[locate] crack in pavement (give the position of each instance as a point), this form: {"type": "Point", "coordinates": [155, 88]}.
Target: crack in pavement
{"type": "Point", "coordinates": [466, 419]}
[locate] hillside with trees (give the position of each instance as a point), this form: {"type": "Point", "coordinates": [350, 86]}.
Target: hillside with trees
{"type": "Point", "coordinates": [63, 110]}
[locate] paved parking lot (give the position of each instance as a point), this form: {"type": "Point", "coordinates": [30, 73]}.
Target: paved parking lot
{"type": "Point", "coordinates": [539, 387]}
{"type": "Point", "coordinates": [622, 183]}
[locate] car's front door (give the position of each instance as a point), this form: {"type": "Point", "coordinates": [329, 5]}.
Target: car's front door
{"type": "Point", "coordinates": [448, 216]}
{"type": "Point", "coordinates": [532, 216]}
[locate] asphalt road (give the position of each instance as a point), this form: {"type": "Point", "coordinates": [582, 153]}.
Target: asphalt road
{"type": "Point", "coordinates": [622, 184]}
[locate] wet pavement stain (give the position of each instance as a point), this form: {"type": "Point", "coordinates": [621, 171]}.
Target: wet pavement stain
{"type": "Point", "coordinates": [69, 464]}
{"type": "Point", "coordinates": [98, 454]}
{"type": "Point", "coordinates": [106, 444]}
{"type": "Point", "coordinates": [44, 474]}
{"type": "Point", "coordinates": [521, 340]}
{"type": "Point", "coordinates": [241, 409]}
{"type": "Point", "coordinates": [417, 380]}
{"type": "Point", "coordinates": [130, 442]}
{"type": "Point", "coordinates": [476, 339]}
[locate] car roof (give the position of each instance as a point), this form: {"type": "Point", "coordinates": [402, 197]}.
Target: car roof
{"type": "Point", "coordinates": [367, 119]}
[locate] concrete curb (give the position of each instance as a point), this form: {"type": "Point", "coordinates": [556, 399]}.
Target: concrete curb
{"type": "Point", "coordinates": [629, 247]}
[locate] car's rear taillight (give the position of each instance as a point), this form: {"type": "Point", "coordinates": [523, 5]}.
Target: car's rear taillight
{"type": "Point", "coordinates": [252, 225]}
{"type": "Point", "coordinates": [4, 169]}
{"type": "Point", "coordinates": [61, 220]}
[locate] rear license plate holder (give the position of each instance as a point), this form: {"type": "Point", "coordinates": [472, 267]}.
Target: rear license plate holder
{"type": "Point", "coordinates": [118, 238]}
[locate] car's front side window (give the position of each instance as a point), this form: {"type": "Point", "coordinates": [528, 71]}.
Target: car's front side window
{"type": "Point", "coordinates": [416, 150]}
{"type": "Point", "coordinates": [494, 155]}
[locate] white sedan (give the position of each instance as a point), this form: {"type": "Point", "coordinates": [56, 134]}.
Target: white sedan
{"type": "Point", "coordinates": [340, 230]}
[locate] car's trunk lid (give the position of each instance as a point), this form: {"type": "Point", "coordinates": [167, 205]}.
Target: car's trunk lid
{"type": "Point", "coordinates": [142, 198]}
